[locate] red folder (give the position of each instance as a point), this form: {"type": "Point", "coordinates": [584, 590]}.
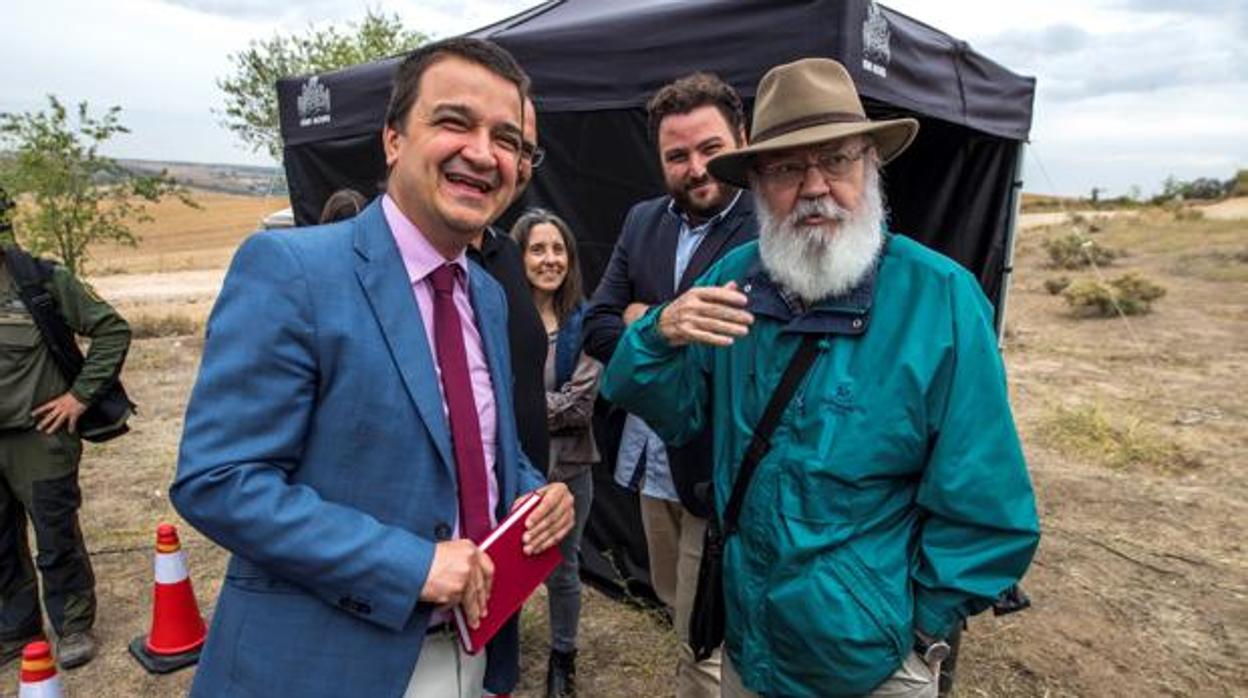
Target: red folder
{"type": "Point", "coordinates": [516, 576]}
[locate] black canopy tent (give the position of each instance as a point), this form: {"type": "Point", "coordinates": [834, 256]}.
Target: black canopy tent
{"type": "Point", "coordinates": [594, 63]}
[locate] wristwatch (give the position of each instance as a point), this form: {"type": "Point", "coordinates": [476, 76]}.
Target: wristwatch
{"type": "Point", "coordinates": [930, 649]}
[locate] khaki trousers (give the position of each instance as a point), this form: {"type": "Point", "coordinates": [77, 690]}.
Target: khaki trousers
{"type": "Point", "coordinates": [674, 541]}
{"type": "Point", "coordinates": [913, 679]}
{"type": "Point", "coordinates": [445, 670]}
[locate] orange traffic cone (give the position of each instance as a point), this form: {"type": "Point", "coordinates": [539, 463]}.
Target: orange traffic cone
{"type": "Point", "coordinates": [39, 679]}
{"type": "Point", "coordinates": [177, 628]}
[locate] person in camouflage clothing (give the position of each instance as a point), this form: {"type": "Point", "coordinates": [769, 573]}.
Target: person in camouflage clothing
{"type": "Point", "coordinates": [39, 454]}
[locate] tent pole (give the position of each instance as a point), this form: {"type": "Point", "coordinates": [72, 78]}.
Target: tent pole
{"type": "Point", "coordinates": [1011, 228]}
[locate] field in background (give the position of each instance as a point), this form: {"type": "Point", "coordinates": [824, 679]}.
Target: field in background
{"type": "Point", "coordinates": [1135, 434]}
{"type": "Point", "coordinates": [182, 238]}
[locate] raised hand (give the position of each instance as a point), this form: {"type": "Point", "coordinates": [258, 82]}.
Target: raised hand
{"type": "Point", "coordinates": [713, 315]}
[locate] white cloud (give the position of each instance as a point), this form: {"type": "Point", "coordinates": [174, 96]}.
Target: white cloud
{"type": "Point", "coordinates": [1128, 91]}
{"type": "Point", "coordinates": [1121, 140]}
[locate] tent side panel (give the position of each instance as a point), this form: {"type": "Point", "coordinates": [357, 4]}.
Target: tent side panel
{"type": "Point", "coordinates": [951, 191]}
{"type": "Point", "coordinates": [316, 170]}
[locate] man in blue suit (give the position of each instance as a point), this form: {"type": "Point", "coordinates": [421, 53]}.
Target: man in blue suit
{"type": "Point", "coordinates": [350, 438]}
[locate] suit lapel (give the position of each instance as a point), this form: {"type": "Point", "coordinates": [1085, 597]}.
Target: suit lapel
{"type": "Point", "coordinates": [383, 278]}
{"type": "Point", "coordinates": [713, 244]}
{"type": "Point", "coordinates": [669, 235]}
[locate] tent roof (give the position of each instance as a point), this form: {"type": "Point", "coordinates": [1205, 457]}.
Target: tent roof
{"type": "Point", "coordinates": [586, 55]}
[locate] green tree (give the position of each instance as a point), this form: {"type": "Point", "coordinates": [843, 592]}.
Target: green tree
{"type": "Point", "coordinates": [69, 196]}
{"type": "Point", "coordinates": [251, 89]}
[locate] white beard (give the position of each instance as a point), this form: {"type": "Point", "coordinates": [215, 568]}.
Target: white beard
{"type": "Point", "coordinates": [819, 262]}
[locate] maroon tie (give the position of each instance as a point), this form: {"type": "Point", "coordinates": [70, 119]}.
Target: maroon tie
{"type": "Point", "coordinates": [474, 496]}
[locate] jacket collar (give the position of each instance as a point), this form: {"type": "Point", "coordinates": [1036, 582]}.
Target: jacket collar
{"type": "Point", "coordinates": [847, 314]}
{"type": "Point", "coordinates": [710, 223]}
{"type": "Point", "coordinates": [384, 280]}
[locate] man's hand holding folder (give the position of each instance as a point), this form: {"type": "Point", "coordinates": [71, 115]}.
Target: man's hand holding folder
{"type": "Point", "coordinates": [462, 575]}
{"type": "Point", "coordinates": [550, 521]}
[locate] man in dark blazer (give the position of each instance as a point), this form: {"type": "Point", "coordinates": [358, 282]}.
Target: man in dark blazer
{"type": "Point", "coordinates": [665, 245]}
{"type": "Point", "coordinates": [350, 438]}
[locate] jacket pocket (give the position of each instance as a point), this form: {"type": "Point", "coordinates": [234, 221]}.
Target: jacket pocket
{"type": "Point", "coordinates": [249, 577]}
{"type": "Point", "coordinates": [811, 494]}
{"type": "Point", "coordinates": [873, 596]}
{"type": "Point", "coordinates": [826, 638]}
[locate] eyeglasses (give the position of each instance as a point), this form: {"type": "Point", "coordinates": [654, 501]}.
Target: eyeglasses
{"type": "Point", "coordinates": [832, 164]}
{"type": "Point", "coordinates": [534, 153]}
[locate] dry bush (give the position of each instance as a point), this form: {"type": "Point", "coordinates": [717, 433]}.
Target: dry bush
{"type": "Point", "coordinates": [1074, 251]}
{"type": "Point", "coordinates": [1187, 213]}
{"type": "Point", "coordinates": [1239, 184]}
{"type": "Point", "coordinates": [1088, 432]}
{"type": "Point", "coordinates": [1056, 285]}
{"type": "Point", "coordinates": [167, 325]}
{"type": "Point", "coordinates": [1130, 293]}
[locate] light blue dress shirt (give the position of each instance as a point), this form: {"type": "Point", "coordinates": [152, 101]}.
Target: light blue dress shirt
{"type": "Point", "coordinates": [641, 463]}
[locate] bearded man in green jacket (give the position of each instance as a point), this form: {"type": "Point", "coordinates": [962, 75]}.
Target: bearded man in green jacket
{"type": "Point", "coordinates": [894, 500]}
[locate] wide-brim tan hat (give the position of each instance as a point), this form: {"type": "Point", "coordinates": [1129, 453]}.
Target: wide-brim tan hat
{"type": "Point", "coordinates": [807, 102]}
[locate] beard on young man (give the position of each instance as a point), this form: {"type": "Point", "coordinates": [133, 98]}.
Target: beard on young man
{"type": "Point", "coordinates": [701, 205]}
{"type": "Point", "coordinates": [816, 262]}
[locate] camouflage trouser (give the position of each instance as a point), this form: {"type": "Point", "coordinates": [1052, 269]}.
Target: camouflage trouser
{"type": "Point", "coordinates": [39, 479]}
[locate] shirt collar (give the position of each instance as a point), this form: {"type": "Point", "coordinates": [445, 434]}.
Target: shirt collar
{"type": "Point", "coordinates": [419, 256]}
{"type": "Point", "coordinates": [673, 209]}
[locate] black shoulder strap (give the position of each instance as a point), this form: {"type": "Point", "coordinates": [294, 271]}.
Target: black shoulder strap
{"type": "Point", "coordinates": [761, 441]}
{"type": "Point", "coordinates": [31, 276]}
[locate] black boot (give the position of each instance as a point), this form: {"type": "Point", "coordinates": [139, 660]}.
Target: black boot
{"type": "Point", "coordinates": [561, 674]}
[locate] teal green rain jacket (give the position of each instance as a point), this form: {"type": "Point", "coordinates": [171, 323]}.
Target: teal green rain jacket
{"type": "Point", "coordinates": [895, 494]}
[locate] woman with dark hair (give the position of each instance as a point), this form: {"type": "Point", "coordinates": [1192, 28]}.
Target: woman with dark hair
{"type": "Point", "coordinates": [554, 275]}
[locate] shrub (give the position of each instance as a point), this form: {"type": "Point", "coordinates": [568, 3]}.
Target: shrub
{"type": "Point", "coordinates": [1130, 293]}
{"type": "Point", "coordinates": [1074, 251]}
{"type": "Point", "coordinates": [1238, 186]}
{"type": "Point", "coordinates": [1088, 432]}
{"type": "Point", "coordinates": [1056, 285]}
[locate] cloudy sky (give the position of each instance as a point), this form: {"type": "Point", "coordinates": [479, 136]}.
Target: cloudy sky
{"type": "Point", "coordinates": [1129, 91]}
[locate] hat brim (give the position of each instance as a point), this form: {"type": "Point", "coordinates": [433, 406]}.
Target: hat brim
{"type": "Point", "coordinates": [891, 138]}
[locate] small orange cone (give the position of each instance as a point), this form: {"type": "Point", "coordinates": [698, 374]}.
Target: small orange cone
{"type": "Point", "coordinates": [39, 679]}
{"type": "Point", "coordinates": [177, 628]}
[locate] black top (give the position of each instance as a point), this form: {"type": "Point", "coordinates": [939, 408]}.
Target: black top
{"type": "Point", "coordinates": [526, 335]}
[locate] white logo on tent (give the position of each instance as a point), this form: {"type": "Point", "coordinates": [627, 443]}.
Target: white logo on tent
{"type": "Point", "coordinates": [875, 39]}
{"type": "Point", "coordinates": [313, 103]}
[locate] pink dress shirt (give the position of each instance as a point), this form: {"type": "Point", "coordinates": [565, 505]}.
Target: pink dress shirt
{"type": "Point", "coordinates": [420, 259]}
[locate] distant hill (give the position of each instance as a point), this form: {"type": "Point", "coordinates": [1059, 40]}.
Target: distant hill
{"type": "Point", "coordinates": [248, 180]}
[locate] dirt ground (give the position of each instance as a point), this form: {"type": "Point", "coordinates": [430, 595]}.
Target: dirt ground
{"type": "Point", "coordinates": [1135, 433]}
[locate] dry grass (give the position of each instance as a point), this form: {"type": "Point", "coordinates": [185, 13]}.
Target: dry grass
{"type": "Point", "coordinates": [1090, 433]}
{"type": "Point", "coordinates": [182, 238]}
{"type": "Point", "coordinates": [1129, 294]}
{"type": "Point", "coordinates": [166, 325]}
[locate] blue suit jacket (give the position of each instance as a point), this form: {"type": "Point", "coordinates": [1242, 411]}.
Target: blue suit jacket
{"type": "Point", "coordinates": [317, 451]}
